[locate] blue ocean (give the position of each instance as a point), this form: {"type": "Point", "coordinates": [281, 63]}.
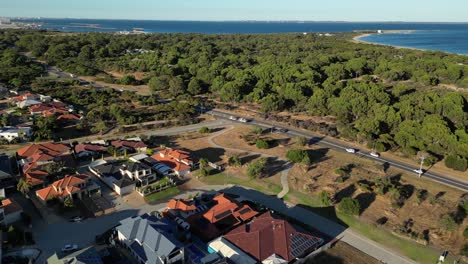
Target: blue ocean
{"type": "Point", "coordinates": [448, 37]}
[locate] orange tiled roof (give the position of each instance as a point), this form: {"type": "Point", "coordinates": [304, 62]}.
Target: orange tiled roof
{"type": "Point", "coordinates": [68, 117]}
{"type": "Point", "coordinates": [224, 204]}
{"type": "Point", "coordinates": [181, 204]}
{"type": "Point", "coordinates": [171, 162]}
{"type": "Point", "coordinates": [10, 206]}
{"type": "Point", "coordinates": [49, 147]}
{"type": "Point", "coordinates": [63, 187]}
{"type": "Point", "coordinates": [36, 177]}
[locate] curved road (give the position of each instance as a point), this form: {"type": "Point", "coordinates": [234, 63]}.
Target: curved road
{"type": "Point", "coordinates": [337, 145]}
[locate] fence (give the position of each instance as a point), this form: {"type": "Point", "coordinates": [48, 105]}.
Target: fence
{"type": "Point", "coordinates": [145, 191]}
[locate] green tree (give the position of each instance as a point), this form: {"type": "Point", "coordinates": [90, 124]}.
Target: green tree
{"type": "Point", "coordinates": [262, 144]}
{"type": "Point", "coordinates": [324, 198]}
{"type": "Point", "coordinates": [349, 206]}
{"type": "Point", "coordinates": [257, 168]}
{"type": "Point", "coordinates": [23, 186]}
{"type": "Point", "coordinates": [234, 161]}
{"type": "Point", "coordinates": [456, 162]}
{"type": "Point", "coordinates": [203, 163]}
{"type": "Point", "coordinates": [68, 202]}
{"type": "Point", "coordinates": [301, 141]}
{"type": "Point", "coordinates": [204, 130]}
{"type": "Point", "coordinates": [447, 222]}
{"type": "Point", "coordinates": [195, 86]}
{"type": "Point", "coordinates": [297, 155]}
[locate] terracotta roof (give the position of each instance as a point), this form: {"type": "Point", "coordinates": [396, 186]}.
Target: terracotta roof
{"type": "Point", "coordinates": [48, 147]}
{"type": "Point", "coordinates": [63, 187]}
{"type": "Point", "coordinates": [39, 108]}
{"type": "Point", "coordinates": [226, 207]}
{"type": "Point", "coordinates": [129, 143]}
{"type": "Point", "coordinates": [181, 204]}
{"type": "Point", "coordinates": [10, 206]}
{"type": "Point", "coordinates": [36, 177]}
{"type": "Point", "coordinates": [89, 147]}
{"type": "Point", "coordinates": [169, 160]}
{"type": "Point", "coordinates": [68, 117]}
{"type": "Point", "coordinates": [268, 234]}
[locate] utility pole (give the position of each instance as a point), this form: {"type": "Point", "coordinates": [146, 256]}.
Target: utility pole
{"type": "Point", "coordinates": [422, 155]}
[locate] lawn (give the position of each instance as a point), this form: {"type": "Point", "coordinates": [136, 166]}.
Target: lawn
{"type": "Point", "coordinates": [162, 195]}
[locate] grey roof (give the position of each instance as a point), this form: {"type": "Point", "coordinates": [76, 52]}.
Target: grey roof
{"type": "Point", "coordinates": [123, 182]}
{"type": "Point", "coordinates": [109, 169]}
{"type": "Point", "coordinates": [135, 166]}
{"type": "Point", "coordinates": [149, 240]}
{"type": "Point", "coordinates": [87, 255]}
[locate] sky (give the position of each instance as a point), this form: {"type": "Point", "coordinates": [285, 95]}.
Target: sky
{"type": "Point", "coordinates": [219, 10]}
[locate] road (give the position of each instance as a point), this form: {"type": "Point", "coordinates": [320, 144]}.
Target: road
{"type": "Point", "coordinates": [340, 146]}
{"type": "Point", "coordinates": [322, 224]}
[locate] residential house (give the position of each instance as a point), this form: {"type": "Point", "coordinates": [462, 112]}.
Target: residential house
{"type": "Point", "coordinates": [87, 255]}
{"type": "Point", "coordinates": [23, 97]}
{"type": "Point", "coordinates": [270, 239]}
{"type": "Point", "coordinates": [89, 150]}
{"type": "Point", "coordinates": [182, 207]}
{"type": "Point", "coordinates": [151, 240]}
{"type": "Point", "coordinates": [130, 145]}
{"type": "Point", "coordinates": [27, 103]}
{"type": "Point", "coordinates": [69, 118]}
{"type": "Point", "coordinates": [138, 172]}
{"type": "Point", "coordinates": [73, 186]}
{"type": "Point", "coordinates": [178, 160]}
{"type": "Point", "coordinates": [110, 174]}
{"type": "Point", "coordinates": [33, 157]}
{"type": "Point", "coordinates": [224, 215]}
{"type": "Point", "coordinates": [10, 211]}
{"type": "Point", "coordinates": [226, 249]}
{"type": "Point", "coordinates": [11, 133]}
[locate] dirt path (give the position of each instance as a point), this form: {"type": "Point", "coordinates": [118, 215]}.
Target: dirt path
{"type": "Point", "coordinates": [286, 167]}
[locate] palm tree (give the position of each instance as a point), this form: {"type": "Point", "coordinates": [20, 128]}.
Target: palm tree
{"type": "Point", "coordinates": [23, 186]}
{"type": "Point", "coordinates": [203, 163]}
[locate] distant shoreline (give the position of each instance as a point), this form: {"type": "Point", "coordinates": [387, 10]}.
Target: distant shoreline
{"type": "Point", "coordinates": [358, 39]}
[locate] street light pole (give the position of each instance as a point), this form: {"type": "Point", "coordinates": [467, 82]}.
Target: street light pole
{"type": "Point", "coordinates": [420, 167]}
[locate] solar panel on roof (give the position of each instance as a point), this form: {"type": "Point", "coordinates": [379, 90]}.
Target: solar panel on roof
{"type": "Point", "coordinates": [301, 243]}
{"type": "Point", "coordinates": [223, 214]}
{"type": "Point", "coordinates": [244, 211]}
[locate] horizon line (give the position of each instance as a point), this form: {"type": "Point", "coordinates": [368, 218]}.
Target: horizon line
{"type": "Point", "coordinates": [241, 20]}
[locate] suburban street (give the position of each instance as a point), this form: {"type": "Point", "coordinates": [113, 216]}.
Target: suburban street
{"type": "Point", "coordinates": [337, 145]}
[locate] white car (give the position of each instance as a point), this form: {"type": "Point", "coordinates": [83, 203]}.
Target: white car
{"type": "Point", "coordinates": [419, 171]}
{"type": "Point", "coordinates": [350, 150]}
{"type": "Point", "coordinates": [233, 118]}
{"type": "Point", "coordinates": [375, 154]}
{"type": "Point", "coordinates": [69, 247]}
{"type": "Point", "coordinates": [243, 120]}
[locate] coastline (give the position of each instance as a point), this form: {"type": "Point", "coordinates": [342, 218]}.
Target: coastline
{"type": "Point", "coordinates": [358, 40]}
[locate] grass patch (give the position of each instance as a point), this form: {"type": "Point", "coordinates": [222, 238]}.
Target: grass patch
{"type": "Point", "coordinates": [162, 194]}
{"type": "Point", "coordinates": [256, 184]}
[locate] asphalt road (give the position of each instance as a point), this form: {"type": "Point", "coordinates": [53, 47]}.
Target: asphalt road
{"type": "Point", "coordinates": [337, 145]}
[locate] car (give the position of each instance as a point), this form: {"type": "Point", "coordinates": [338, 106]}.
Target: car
{"type": "Point", "coordinates": [443, 256]}
{"type": "Point", "coordinates": [350, 150]}
{"type": "Point", "coordinates": [375, 154]}
{"type": "Point", "coordinates": [76, 219]}
{"type": "Point", "coordinates": [243, 120]}
{"type": "Point", "coordinates": [418, 171]}
{"type": "Point", "coordinates": [69, 247]}
{"type": "Point", "coordinates": [283, 130]}
{"type": "Point", "coordinates": [233, 118]}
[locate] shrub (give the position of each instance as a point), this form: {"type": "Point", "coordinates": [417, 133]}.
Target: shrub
{"type": "Point", "coordinates": [464, 250]}
{"type": "Point", "coordinates": [262, 144]}
{"type": "Point", "coordinates": [301, 141]}
{"type": "Point", "coordinates": [465, 233]}
{"type": "Point", "coordinates": [204, 130]}
{"type": "Point", "coordinates": [297, 155]}
{"type": "Point", "coordinates": [324, 198]}
{"type": "Point", "coordinates": [456, 162]}
{"type": "Point", "coordinates": [204, 172]}
{"type": "Point", "coordinates": [447, 222]}
{"type": "Point", "coordinates": [349, 206]}
{"type": "Point", "coordinates": [257, 168]}
{"type": "Point", "coordinates": [234, 161]}
{"type": "Point", "coordinates": [256, 130]}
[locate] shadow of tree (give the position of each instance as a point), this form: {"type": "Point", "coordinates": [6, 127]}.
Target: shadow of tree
{"type": "Point", "coordinates": [365, 200]}
{"type": "Point", "coordinates": [212, 154]}
{"type": "Point", "coordinates": [325, 257]}
{"type": "Point", "coordinates": [346, 192]}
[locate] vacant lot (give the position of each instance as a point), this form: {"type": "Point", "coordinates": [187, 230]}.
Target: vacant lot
{"type": "Point", "coordinates": [342, 253]}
